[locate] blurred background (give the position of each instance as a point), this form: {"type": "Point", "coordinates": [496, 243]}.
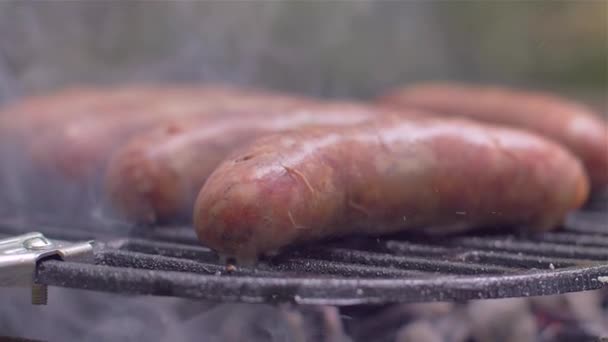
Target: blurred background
{"type": "Point", "coordinates": [337, 48]}
{"type": "Point", "coordinates": [330, 49]}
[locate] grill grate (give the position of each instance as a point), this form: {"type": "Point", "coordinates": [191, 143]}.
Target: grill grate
{"type": "Point", "coordinates": [170, 262]}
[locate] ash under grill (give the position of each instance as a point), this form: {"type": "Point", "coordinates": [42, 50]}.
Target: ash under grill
{"type": "Point", "coordinates": [170, 262]}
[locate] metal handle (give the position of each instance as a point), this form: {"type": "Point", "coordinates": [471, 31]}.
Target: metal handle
{"type": "Point", "coordinates": [19, 256]}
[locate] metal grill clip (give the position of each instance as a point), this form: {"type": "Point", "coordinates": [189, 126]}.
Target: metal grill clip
{"type": "Point", "coordinates": [19, 256]}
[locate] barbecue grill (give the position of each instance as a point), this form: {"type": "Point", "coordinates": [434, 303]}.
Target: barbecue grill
{"type": "Point", "coordinates": [169, 261]}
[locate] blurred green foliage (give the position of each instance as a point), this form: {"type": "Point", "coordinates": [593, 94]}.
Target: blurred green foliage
{"type": "Point", "coordinates": [332, 48]}
{"type": "Point", "coordinates": [554, 42]}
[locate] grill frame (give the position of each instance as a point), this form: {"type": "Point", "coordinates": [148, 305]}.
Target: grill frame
{"type": "Point", "coordinates": [170, 262]}
{"type": "Point", "coordinates": [317, 291]}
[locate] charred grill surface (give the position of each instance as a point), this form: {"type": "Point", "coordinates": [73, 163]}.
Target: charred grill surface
{"type": "Point", "coordinates": [169, 261]}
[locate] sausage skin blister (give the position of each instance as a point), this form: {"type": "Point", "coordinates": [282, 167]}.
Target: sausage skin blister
{"type": "Point", "coordinates": [569, 123]}
{"type": "Point", "coordinates": [157, 175]}
{"type": "Point", "coordinates": [381, 177]}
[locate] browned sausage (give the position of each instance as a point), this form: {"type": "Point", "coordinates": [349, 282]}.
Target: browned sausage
{"type": "Point", "coordinates": [27, 125]}
{"type": "Point", "coordinates": [381, 177]}
{"type": "Point", "coordinates": [158, 174]}
{"type": "Point", "coordinates": [38, 106]}
{"type": "Point", "coordinates": [35, 113]}
{"type": "Point", "coordinates": [21, 119]}
{"type": "Point", "coordinates": [86, 142]}
{"type": "Point", "coordinates": [25, 120]}
{"type": "Point", "coordinates": [567, 122]}
{"type": "Point", "coordinates": [39, 112]}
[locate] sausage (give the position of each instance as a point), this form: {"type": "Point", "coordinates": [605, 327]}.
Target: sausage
{"type": "Point", "coordinates": [87, 142]}
{"type": "Point", "coordinates": [157, 175]}
{"type": "Point", "coordinates": [58, 145]}
{"type": "Point", "coordinates": [38, 112]}
{"type": "Point", "coordinates": [22, 121]}
{"type": "Point", "coordinates": [569, 123]}
{"type": "Point", "coordinates": [384, 176]}
{"type": "Point", "coordinates": [25, 125]}
{"type": "Point", "coordinates": [37, 107]}
{"type": "Point", "coordinates": [37, 119]}
{"type": "Point", "coordinates": [32, 114]}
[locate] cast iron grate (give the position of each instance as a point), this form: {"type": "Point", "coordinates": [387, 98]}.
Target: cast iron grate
{"type": "Point", "coordinates": [168, 261]}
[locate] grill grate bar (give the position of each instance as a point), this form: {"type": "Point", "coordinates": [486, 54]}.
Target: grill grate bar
{"type": "Point", "coordinates": [319, 257]}
{"type": "Point", "coordinates": [136, 260]}
{"type": "Point", "coordinates": [413, 248]}
{"type": "Point", "coordinates": [316, 290]}
{"type": "Point", "coordinates": [411, 263]}
{"type": "Point", "coordinates": [316, 262]}
{"type": "Point", "coordinates": [293, 267]}
{"type": "Point", "coordinates": [521, 260]}
{"type": "Point", "coordinates": [483, 256]}
{"type": "Point", "coordinates": [514, 245]}
{"type": "Point", "coordinates": [592, 240]}
{"type": "Point", "coordinates": [402, 268]}
{"type": "Point", "coordinates": [317, 268]}
{"type": "Point", "coordinates": [169, 249]}
{"type": "Point", "coordinates": [143, 261]}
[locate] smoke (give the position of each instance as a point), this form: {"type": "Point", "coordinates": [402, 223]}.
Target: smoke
{"type": "Point", "coordinates": [326, 49]}
{"type": "Point", "coordinates": [302, 47]}
{"type": "Point", "coordinates": [78, 315]}
{"type": "Point", "coordinates": [321, 49]}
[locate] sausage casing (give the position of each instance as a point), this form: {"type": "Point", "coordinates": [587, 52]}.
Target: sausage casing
{"type": "Point", "coordinates": [569, 123]}
{"type": "Point", "coordinates": [384, 176]}
{"type": "Point", "coordinates": [158, 174]}
{"type": "Point", "coordinates": [87, 142]}
{"type": "Point", "coordinates": [57, 146]}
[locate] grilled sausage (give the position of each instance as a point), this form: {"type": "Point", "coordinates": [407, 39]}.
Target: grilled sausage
{"type": "Point", "coordinates": [566, 122]}
{"type": "Point", "coordinates": [382, 177]}
{"type": "Point", "coordinates": [87, 142]}
{"type": "Point", "coordinates": [40, 107]}
{"type": "Point", "coordinates": [29, 116]}
{"type": "Point", "coordinates": [56, 147]}
{"type": "Point", "coordinates": [35, 125]}
{"type": "Point", "coordinates": [157, 175]}
{"type": "Point", "coordinates": [42, 111]}
{"type": "Point", "coordinates": [24, 120]}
